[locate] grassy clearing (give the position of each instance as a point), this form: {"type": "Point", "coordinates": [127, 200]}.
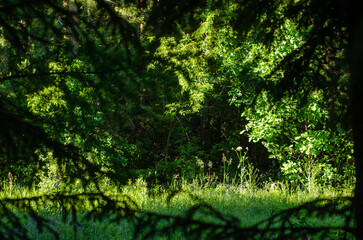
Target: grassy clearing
{"type": "Point", "coordinates": [249, 206]}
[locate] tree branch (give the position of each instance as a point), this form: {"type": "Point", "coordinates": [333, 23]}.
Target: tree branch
{"type": "Point", "coordinates": [3, 79]}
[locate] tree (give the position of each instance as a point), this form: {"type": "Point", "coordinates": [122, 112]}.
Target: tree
{"type": "Point", "coordinates": [75, 115]}
{"type": "Point", "coordinates": [329, 33]}
{"type": "Point", "coordinates": [334, 19]}
{"type": "Point", "coordinates": [54, 102]}
{"type": "Point", "coordinates": [355, 60]}
{"type": "Point", "coordinates": [298, 113]}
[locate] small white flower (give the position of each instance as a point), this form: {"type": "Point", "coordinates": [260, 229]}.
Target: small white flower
{"type": "Point", "coordinates": [239, 148]}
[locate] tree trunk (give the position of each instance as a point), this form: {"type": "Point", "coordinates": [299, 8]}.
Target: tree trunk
{"type": "Point", "coordinates": [355, 57]}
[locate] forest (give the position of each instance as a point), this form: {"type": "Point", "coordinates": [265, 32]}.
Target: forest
{"type": "Point", "coordinates": [166, 119]}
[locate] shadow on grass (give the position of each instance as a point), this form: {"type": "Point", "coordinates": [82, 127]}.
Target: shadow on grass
{"type": "Point", "coordinates": [293, 223]}
{"type": "Point", "coordinates": [302, 222]}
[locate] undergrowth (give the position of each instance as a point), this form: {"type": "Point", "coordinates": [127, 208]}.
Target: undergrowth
{"type": "Point", "coordinates": [249, 206]}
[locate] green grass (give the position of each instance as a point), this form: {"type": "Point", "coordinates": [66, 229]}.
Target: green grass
{"type": "Point", "coordinates": [249, 206]}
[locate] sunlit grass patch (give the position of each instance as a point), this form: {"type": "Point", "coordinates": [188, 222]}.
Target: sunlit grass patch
{"type": "Point", "coordinates": [211, 204]}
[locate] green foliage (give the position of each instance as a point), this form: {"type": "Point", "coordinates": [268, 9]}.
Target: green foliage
{"type": "Point", "coordinates": [94, 91]}
{"type": "Point", "coordinates": [192, 60]}
{"type": "Point", "coordinates": [248, 174]}
{"type": "Point", "coordinates": [294, 133]}
{"type": "Point", "coordinates": [212, 66]}
{"type": "Point", "coordinates": [295, 123]}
